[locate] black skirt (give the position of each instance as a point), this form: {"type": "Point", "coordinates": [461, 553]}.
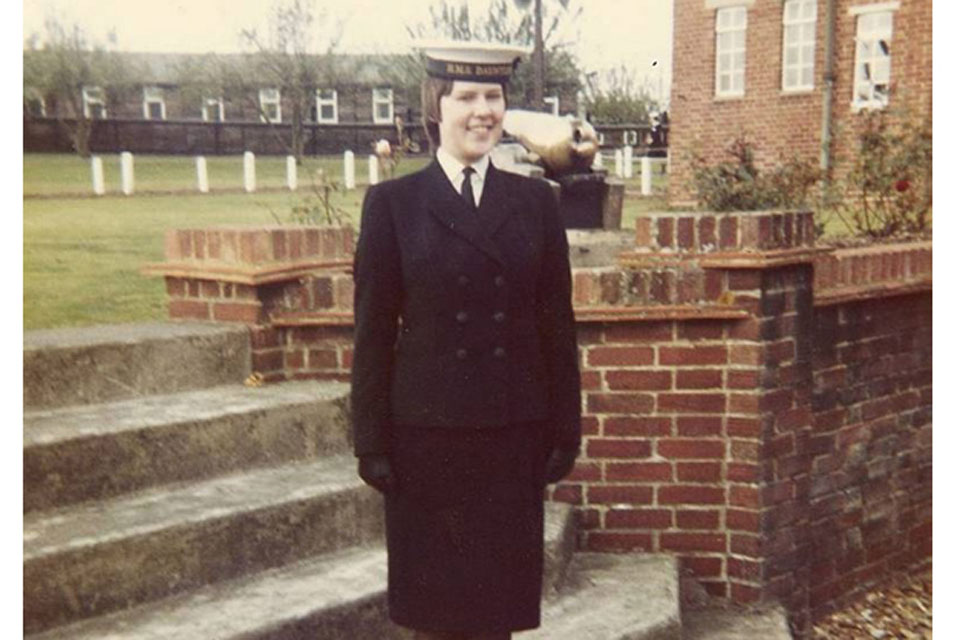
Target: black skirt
{"type": "Point", "coordinates": [465, 528]}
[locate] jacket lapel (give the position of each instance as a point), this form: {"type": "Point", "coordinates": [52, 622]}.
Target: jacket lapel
{"type": "Point", "coordinates": [446, 205]}
{"type": "Point", "coordinates": [496, 203]}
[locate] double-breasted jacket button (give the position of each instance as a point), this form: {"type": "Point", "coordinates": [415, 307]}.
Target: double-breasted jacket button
{"type": "Point", "coordinates": [499, 316]}
{"type": "Point", "coordinates": [498, 281]}
{"type": "Point", "coordinates": [462, 317]}
{"type": "Point", "coordinates": [461, 354]}
{"type": "Point", "coordinates": [463, 281]}
{"type": "Point", "coordinates": [499, 352]}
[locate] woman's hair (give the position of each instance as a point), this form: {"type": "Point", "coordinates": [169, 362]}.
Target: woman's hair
{"type": "Point", "coordinates": [431, 91]}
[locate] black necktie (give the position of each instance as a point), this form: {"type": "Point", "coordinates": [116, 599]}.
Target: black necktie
{"type": "Point", "coordinates": [466, 189]}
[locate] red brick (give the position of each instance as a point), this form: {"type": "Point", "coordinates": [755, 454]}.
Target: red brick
{"type": "Point", "coordinates": [691, 402]}
{"type": "Point", "coordinates": [263, 361]}
{"type": "Point", "coordinates": [213, 245]}
{"type": "Point", "coordinates": [745, 545]}
{"type": "Point", "coordinates": [189, 309]}
{"type": "Point", "coordinates": [209, 289]}
{"type": "Point", "coordinates": [245, 292]}
{"type": "Point", "coordinates": [323, 359]}
{"type": "Point", "coordinates": [618, 448]}
{"type": "Point", "coordinates": [741, 569]}
{"type": "Point", "coordinates": [568, 493]}
{"type": "Point", "coordinates": [614, 542]}
{"type": "Point", "coordinates": [638, 519]}
{"type": "Point", "coordinates": [748, 450]}
{"type": "Point", "coordinates": [619, 356]}
{"type": "Point", "coordinates": [692, 355]}
{"type": "Point", "coordinates": [743, 472]}
{"type": "Point", "coordinates": [746, 354]}
{"type": "Point", "coordinates": [690, 494]}
{"type": "Point", "coordinates": [199, 244]}
{"type": "Point", "coordinates": [673, 449]}
{"type": "Point", "coordinates": [635, 426]}
{"type": "Point", "coordinates": [744, 280]}
{"type": "Point", "coordinates": [293, 359]}
{"type": "Point", "coordinates": [728, 232]}
{"type": "Point", "coordinates": [745, 594]}
{"type": "Point", "coordinates": [665, 232]}
{"type": "Point", "coordinates": [685, 233]}
{"type": "Point", "coordinates": [590, 425]}
{"type": "Point", "coordinates": [700, 330]}
{"type": "Point", "coordinates": [699, 425]}
{"type": "Point", "coordinates": [643, 231]}
{"type": "Point", "coordinates": [639, 380]}
{"type": "Point", "coordinates": [744, 427]}
{"type": "Point", "coordinates": [639, 471]}
{"type": "Point", "coordinates": [699, 471]}
{"type": "Point", "coordinates": [698, 519]}
{"type": "Point", "coordinates": [744, 403]}
{"type": "Point", "coordinates": [176, 287]}
{"type": "Point", "coordinates": [742, 496]}
{"type": "Point", "coordinates": [295, 243]}
{"type": "Point", "coordinates": [585, 472]}
{"type": "Point", "coordinates": [193, 288]}
{"type": "Point", "coordinates": [590, 380]}
{"type": "Point", "coordinates": [702, 567]}
{"type": "Point", "coordinates": [616, 494]}
{"type": "Point", "coordinates": [619, 403]}
{"type": "Point", "coordinates": [237, 312]}
{"type": "Point", "coordinates": [693, 541]}
{"type": "Point", "coordinates": [699, 379]}
{"type": "Point", "coordinates": [742, 520]}
{"type": "Point", "coordinates": [737, 379]}
{"type": "Point", "coordinates": [708, 232]}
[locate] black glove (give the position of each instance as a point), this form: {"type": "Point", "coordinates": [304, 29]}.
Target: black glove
{"type": "Point", "coordinates": [560, 463]}
{"type": "Point", "coordinates": [374, 469]}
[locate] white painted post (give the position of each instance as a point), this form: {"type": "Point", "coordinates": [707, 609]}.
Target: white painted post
{"type": "Point", "coordinates": [126, 172]}
{"type": "Point", "coordinates": [646, 175]}
{"type": "Point", "coordinates": [627, 161]}
{"type": "Point", "coordinates": [349, 170]}
{"type": "Point", "coordinates": [618, 162]}
{"type": "Point", "coordinates": [291, 173]}
{"type": "Point", "coordinates": [96, 166]}
{"type": "Point", "coordinates": [249, 172]}
{"type": "Point", "coordinates": [373, 169]}
{"type": "Point", "coordinates": [597, 161]}
{"type": "Point", "coordinates": [202, 185]}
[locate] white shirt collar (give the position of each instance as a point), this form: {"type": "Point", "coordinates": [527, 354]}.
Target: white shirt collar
{"type": "Point", "coordinates": [453, 169]}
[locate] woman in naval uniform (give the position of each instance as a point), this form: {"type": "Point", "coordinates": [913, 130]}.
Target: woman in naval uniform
{"type": "Point", "coordinates": [466, 390]}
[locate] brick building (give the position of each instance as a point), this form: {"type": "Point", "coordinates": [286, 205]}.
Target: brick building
{"type": "Point", "coordinates": [760, 68]}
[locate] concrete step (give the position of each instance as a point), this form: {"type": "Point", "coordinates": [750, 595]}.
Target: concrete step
{"type": "Point", "coordinates": [559, 544]}
{"type": "Point", "coordinates": [615, 597]}
{"type": "Point", "coordinates": [93, 559]}
{"type": "Point", "coordinates": [100, 451]}
{"type": "Point", "coordinates": [64, 367]}
{"type": "Point", "coordinates": [728, 622]}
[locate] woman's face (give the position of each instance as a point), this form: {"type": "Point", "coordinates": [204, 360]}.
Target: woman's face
{"type": "Point", "coordinates": [471, 119]}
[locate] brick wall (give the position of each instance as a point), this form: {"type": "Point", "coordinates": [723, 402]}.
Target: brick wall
{"type": "Point", "coordinates": [755, 404]}
{"type": "Point", "coordinates": [780, 124]}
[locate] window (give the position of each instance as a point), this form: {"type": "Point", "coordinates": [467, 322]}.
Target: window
{"type": "Point", "coordinates": [327, 105]}
{"type": "Point", "coordinates": [630, 137]}
{"type": "Point", "coordinates": [871, 77]}
{"type": "Point", "coordinates": [153, 105]}
{"type": "Point", "coordinates": [383, 105]}
{"type": "Point", "coordinates": [799, 44]}
{"type": "Point", "coordinates": [212, 109]}
{"type": "Point", "coordinates": [94, 103]}
{"type": "Point", "coordinates": [34, 105]}
{"type": "Point", "coordinates": [554, 103]}
{"type": "Point", "coordinates": [270, 105]}
{"type": "Point", "coordinates": [731, 50]}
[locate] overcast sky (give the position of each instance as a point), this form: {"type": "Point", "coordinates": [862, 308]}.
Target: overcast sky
{"type": "Point", "coordinates": [609, 33]}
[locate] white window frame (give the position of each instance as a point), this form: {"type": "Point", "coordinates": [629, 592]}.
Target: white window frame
{"type": "Point", "coordinates": [630, 137]}
{"type": "Point", "coordinates": [152, 95]}
{"type": "Point", "coordinates": [554, 102]}
{"type": "Point", "coordinates": [211, 102]}
{"type": "Point", "coordinates": [331, 102]}
{"type": "Point", "coordinates": [270, 96]}
{"type": "Point", "coordinates": [383, 99]}
{"type": "Point", "coordinates": [731, 14]}
{"type": "Point", "coordinates": [803, 47]}
{"type": "Point", "coordinates": [90, 99]}
{"type": "Point", "coordinates": [869, 36]}
{"type": "Point", "coordinates": [601, 139]}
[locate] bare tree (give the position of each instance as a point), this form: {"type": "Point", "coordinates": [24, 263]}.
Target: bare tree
{"type": "Point", "coordinates": [617, 98]}
{"type": "Point", "coordinates": [65, 68]}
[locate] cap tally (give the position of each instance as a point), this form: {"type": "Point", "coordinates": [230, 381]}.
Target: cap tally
{"type": "Point", "coordinates": [474, 61]}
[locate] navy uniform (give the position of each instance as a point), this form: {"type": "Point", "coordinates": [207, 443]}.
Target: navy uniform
{"type": "Point", "coordinates": [465, 379]}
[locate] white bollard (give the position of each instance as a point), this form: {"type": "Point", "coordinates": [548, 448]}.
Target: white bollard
{"type": "Point", "coordinates": [249, 172]}
{"type": "Point", "coordinates": [618, 162]}
{"type": "Point", "coordinates": [374, 170]}
{"type": "Point", "coordinates": [627, 161]}
{"type": "Point", "coordinates": [597, 161]}
{"type": "Point", "coordinates": [126, 172]}
{"type": "Point", "coordinates": [349, 171]}
{"type": "Point", "coordinates": [646, 175]}
{"type": "Point", "coordinates": [96, 167]}
{"type": "Point", "coordinates": [202, 185]}
{"type": "Point", "coordinates": [291, 173]}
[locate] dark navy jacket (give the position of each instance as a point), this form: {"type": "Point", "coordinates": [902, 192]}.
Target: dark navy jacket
{"type": "Point", "coordinates": [463, 319]}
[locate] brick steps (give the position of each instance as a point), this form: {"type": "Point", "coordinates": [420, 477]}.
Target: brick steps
{"type": "Point", "coordinates": [63, 367]}
{"type": "Point", "coordinates": [91, 452]}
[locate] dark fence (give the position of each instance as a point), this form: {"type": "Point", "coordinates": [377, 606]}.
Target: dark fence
{"type": "Point", "coordinates": [193, 137]}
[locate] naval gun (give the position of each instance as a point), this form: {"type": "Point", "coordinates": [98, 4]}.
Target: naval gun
{"type": "Point", "coordinates": [562, 149]}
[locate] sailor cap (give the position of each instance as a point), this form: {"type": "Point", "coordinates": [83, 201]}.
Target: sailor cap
{"type": "Point", "coordinates": [474, 61]}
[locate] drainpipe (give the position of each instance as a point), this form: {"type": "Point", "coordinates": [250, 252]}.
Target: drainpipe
{"type": "Point", "coordinates": [828, 80]}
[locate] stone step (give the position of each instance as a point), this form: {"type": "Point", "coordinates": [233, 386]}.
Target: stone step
{"type": "Point", "coordinates": [615, 597]}
{"type": "Point", "coordinates": [337, 595]}
{"type": "Point", "coordinates": [92, 452]}
{"type": "Point", "coordinates": [729, 622]}
{"type": "Point", "coordinates": [92, 559]}
{"type": "Point", "coordinates": [64, 367]}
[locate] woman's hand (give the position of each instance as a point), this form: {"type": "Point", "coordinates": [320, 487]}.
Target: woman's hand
{"type": "Point", "coordinates": [560, 463]}
{"type": "Point", "coordinates": [374, 469]}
